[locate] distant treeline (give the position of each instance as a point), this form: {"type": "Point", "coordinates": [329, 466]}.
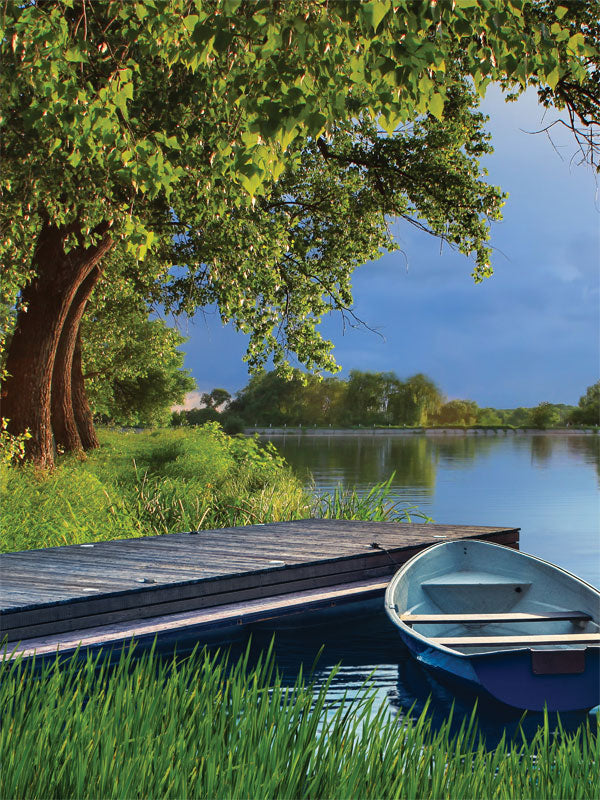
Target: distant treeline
{"type": "Point", "coordinates": [370, 398]}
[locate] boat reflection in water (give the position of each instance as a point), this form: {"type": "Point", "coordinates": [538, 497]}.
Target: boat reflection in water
{"type": "Point", "coordinates": [366, 649]}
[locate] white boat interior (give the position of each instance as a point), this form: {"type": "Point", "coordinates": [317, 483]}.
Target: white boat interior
{"type": "Point", "coordinates": [475, 597]}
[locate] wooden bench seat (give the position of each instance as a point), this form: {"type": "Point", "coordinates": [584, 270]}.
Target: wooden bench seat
{"type": "Point", "coordinates": [420, 619]}
{"type": "Point", "coordinates": [517, 641]}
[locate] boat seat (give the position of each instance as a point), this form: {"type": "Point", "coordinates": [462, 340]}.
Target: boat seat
{"type": "Point", "coordinates": [517, 641]}
{"type": "Point", "coordinates": [575, 616]}
{"type": "Point", "coordinates": [464, 591]}
{"type": "Point", "coordinates": [456, 579]}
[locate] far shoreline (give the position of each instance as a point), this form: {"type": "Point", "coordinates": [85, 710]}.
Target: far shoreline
{"type": "Point", "coordinates": [374, 431]}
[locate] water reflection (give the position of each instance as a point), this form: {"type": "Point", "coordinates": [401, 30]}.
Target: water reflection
{"type": "Point", "coordinates": [587, 449]}
{"type": "Point", "coordinates": [541, 450]}
{"type": "Point", "coordinates": [331, 460]}
{"type": "Point", "coordinates": [459, 451]}
{"type": "Point", "coordinates": [544, 483]}
{"type": "Point", "coordinates": [364, 459]}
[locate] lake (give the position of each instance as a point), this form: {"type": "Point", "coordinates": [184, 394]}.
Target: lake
{"type": "Point", "coordinates": [546, 484]}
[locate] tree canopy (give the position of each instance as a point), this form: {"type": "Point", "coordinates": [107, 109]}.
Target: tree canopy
{"type": "Point", "coordinates": [588, 410]}
{"type": "Point", "coordinates": [199, 133]}
{"type": "Point", "coordinates": [132, 365]}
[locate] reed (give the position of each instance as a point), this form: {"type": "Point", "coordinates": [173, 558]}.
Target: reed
{"type": "Point", "coordinates": [376, 505]}
{"type": "Point", "coordinates": [200, 727]}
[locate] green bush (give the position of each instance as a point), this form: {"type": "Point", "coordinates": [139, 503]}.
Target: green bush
{"type": "Point", "coordinates": [138, 484]}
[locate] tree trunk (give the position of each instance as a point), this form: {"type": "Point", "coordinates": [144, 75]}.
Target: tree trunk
{"type": "Point", "coordinates": [26, 394]}
{"type": "Point", "coordinates": [64, 422]}
{"type": "Point", "coordinates": [81, 407]}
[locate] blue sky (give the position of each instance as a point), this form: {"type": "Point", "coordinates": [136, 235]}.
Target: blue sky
{"type": "Point", "coordinates": [529, 333]}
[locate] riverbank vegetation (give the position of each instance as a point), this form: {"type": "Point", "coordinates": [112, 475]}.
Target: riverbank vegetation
{"type": "Point", "coordinates": [155, 728]}
{"type": "Point", "coordinates": [167, 481]}
{"type": "Point", "coordinates": [372, 399]}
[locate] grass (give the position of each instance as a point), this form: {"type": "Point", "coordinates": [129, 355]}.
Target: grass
{"type": "Point", "coordinates": [200, 728]}
{"type": "Point", "coordinates": [140, 484]}
{"type": "Point", "coordinates": [375, 505]}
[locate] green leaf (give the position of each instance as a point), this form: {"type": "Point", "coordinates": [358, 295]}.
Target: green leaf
{"type": "Point", "coordinates": [374, 12]}
{"type": "Point", "coordinates": [436, 105]}
{"type": "Point", "coordinates": [251, 180]}
{"type": "Point", "coordinates": [553, 77]}
{"type": "Point", "coordinates": [190, 22]}
{"type": "Point", "coordinates": [389, 122]}
{"type": "Point", "coordinates": [576, 41]}
{"type": "Point", "coordinates": [74, 56]}
{"type": "Point", "coordinates": [315, 123]}
{"type": "Point", "coordinates": [560, 11]}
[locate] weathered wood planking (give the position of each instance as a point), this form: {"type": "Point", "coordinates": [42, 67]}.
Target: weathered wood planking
{"type": "Point", "coordinates": [61, 589]}
{"type": "Point", "coordinates": [197, 623]}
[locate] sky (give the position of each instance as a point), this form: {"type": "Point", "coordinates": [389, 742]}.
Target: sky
{"type": "Point", "coordinates": [529, 333]}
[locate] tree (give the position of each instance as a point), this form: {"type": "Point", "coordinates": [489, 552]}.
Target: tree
{"type": "Point", "coordinates": [588, 412]}
{"type": "Point", "coordinates": [132, 365]}
{"type": "Point", "coordinates": [367, 396]}
{"type": "Point", "coordinates": [269, 399]}
{"type": "Point", "coordinates": [217, 399]}
{"type": "Point", "coordinates": [458, 412]}
{"type": "Point", "coordinates": [415, 402]}
{"type": "Point", "coordinates": [155, 126]}
{"type": "Point", "coordinates": [516, 416]}
{"type": "Point", "coordinates": [544, 415]}
{"type": "Point", "coordinates": [489, 416]}
{"type": "Point", "coordinates": [326, 401]}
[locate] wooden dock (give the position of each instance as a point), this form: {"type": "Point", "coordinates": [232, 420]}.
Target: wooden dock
{"type": "Point", "coordinates": [94, 594]}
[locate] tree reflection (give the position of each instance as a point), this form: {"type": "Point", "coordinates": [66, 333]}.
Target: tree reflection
{"type": "Point", "coordinates": [541, 449]}
{"type": "Point", "coordinates": [460, 450]}
{"type": "Point", "coordinates": [362, 460]}
{"type": "Point", "coordinates": [587, 448]}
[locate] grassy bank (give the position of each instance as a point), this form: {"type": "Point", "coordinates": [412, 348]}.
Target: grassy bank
{"type": "Point", "coordinates": [152, 730]}
{"type": "Point", "coordinates": [155, 482]}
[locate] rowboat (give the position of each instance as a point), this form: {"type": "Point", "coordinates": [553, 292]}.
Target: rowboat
{"type": "Point", "coordinates": [502, 623]}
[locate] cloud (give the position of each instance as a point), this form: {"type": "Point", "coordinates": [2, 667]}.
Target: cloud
{"type": "Point", "coordinates": [191, 400]}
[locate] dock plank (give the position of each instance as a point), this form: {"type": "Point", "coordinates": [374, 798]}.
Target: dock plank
{"type": "Point", "coordinates": [61, 589]}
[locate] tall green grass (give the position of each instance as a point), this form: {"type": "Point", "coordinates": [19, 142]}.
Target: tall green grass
{"type": "Point", "coordinates": [149, 728]}
{"type": "Point", "coordinates": [141, 484]}
{"type": "Point", "coordinates": [376, 505]}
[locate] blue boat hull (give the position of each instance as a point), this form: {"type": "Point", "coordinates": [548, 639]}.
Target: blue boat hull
{"type": "Point", "coordinates": [508, 677]}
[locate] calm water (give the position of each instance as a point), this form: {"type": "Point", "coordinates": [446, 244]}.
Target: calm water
{"type": "Point", "coordinates": [545, 484]}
